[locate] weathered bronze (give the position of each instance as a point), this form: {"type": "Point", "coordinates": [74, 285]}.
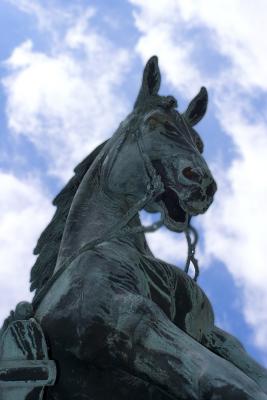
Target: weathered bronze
{"type": "Point", "coordinates": [119, 323]}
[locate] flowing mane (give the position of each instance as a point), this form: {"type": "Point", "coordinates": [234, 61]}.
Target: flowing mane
{"type": "Point", "coordinates": [48, 243]}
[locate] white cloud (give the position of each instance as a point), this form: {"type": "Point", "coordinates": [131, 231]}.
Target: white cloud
{"type": "Point", "coordinates": [65, 101]}
{"type": "Point", "coordinates": [48, 16]}
{"type": "Point", "coordinates": [165, 244]}
{"type": "Point", "coordinates": [161, 34]}
{"type": "Point", "coordinates": [235, 226]}
{"type": "Point", "coordinates": [24, 211]}
{"type": "Point", "coordinates": [237, 29]}
{"type": "Point", "coordinates": [233, 29]}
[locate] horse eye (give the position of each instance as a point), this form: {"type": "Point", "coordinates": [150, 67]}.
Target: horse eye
{"type": "Point", "coordinates": [170, 127]}
{"type": "Point", "coordinates": [153, 122]}
{"type": "Point", "coordinates": [161, 121]}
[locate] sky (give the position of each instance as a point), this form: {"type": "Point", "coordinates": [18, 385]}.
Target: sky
{"type": "Point", "coordinates": [69, 74]}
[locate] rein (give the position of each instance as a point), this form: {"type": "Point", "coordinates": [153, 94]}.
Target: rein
{"type": "Point", "coordinates": [154, 188]}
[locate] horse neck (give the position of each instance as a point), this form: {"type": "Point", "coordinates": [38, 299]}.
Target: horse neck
{"type": "Point", "coordinates": [91, 216]}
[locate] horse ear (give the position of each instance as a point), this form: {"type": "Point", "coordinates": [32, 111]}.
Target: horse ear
{"type": "Point", "coordinates": [151, 81]}
{"type": "Point", "coordinates": [197, 107]}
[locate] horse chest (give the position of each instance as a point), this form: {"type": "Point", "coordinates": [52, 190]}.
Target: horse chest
{"type": "Point", "coordinates": [178, 296]}
{"type": "Point", "coordinates": [159, 284]}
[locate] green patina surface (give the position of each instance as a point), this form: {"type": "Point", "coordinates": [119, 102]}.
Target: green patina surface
{"type": "Point", "coordinates": [120, 323]}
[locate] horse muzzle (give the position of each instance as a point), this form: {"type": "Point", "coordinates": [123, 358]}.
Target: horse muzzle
{"type": "Point", "coordinates": [196, 191]}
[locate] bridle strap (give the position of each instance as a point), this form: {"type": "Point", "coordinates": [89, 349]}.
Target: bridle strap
{"type": "Point", "coordinates": [190, 229]}
{"type": "Point", "coordinates": [191, 250]}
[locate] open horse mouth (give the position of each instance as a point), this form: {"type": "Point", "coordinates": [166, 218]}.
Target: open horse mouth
{"type": "Point", "coordinates": [170, 205]}
{"type": "Point", "coordinates": [175, 217]}
{"type": "Point", "coordinates": [174, 214]}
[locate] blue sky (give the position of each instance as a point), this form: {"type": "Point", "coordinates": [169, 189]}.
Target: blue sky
{"type": "Point", "coordinates": [70, 71]}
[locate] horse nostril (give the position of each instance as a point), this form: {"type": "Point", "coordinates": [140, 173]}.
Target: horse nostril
{"type": "Point", "coordinates": [190, 174]}
{"type": "Point", "coordinates": [211, 189]}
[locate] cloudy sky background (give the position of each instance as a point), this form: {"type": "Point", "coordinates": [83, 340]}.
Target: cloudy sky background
{"type": "Point", "coordinates": [70, 71]}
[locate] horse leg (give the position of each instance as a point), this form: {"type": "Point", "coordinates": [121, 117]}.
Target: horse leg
{"type": "Point", "coordinates": [144, 342]}
{"type": "Point", "coordinates": [228, 347]}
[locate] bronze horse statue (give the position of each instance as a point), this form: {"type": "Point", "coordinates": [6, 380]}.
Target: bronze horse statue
{"type": "Point", "coordinates": [120, 323]}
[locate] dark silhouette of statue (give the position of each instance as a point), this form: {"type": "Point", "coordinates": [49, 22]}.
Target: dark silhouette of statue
{"type": "Point", "coordinates": [108, 319]}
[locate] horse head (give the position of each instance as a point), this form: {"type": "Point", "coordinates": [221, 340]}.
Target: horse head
{"type": "Point", "coordinates": [174, 149]}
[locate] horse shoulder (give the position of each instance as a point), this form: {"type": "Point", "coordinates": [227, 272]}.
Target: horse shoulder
{"type": "Point", "coordinates": [231, 349]}
{"type": "Point", "coordinates": [179, 296]}
{"type": "Point", "coordinates": [200, 320]}
{"type": "Point", "coordinates": [193, 310]}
